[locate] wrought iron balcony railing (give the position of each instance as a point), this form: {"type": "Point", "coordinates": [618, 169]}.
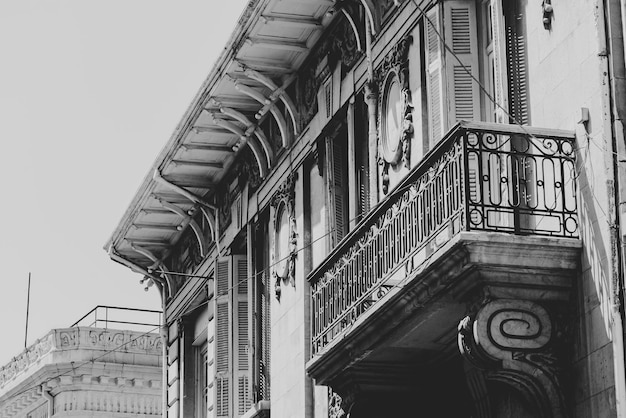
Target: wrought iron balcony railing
{"type": "Point", "coordinates": [480, 177]}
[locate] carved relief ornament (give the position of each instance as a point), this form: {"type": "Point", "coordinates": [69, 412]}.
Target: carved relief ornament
{"type": "Point", "coordinates": [512, 342]}
{"type": "Point", "coordinates": [284, 251]}
{"type": "Point", "coordinates": [395, 109]}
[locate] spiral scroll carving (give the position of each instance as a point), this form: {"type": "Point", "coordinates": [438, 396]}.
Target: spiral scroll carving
{"type": "Point", "coordinates": [502, 326]}
{"type": "Point", "coordinates": [512, 341]}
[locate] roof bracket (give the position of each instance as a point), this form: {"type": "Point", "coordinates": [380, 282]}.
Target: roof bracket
{"type": "Point", "coordinates": [278, 92]}
{"type": "Point", "coordinates": [267, 103]}
{"type": "Point", "coordinates": [165, 284]}
{"type": "Point", "coordinates": [192, 223]}
{"type": "Point", "coordinates": [211, 219]}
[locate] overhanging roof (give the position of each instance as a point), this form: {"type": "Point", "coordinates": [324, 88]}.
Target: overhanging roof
{"type": "Point", "coordinates": [270, 42]}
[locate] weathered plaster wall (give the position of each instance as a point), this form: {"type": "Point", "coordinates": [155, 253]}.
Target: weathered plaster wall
{"type": "Point", "coordinates": [565, 75]}
{"type": "Point", "coordinates": [291, 387]}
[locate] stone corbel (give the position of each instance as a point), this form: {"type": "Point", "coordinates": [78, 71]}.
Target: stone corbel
{"type": "Point", "coordinates": [340, 406]}
{"type": "Point", "coordinates": [395, 64]}
{"type": "Point", "coordinates": [513, 342]}
{"type": "Point", "coordinates": [284, 200]}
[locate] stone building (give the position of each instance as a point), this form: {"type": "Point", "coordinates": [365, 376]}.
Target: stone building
{"type": "Point", "coordinates": [395, 208]}
{"type": "Point", "coordinates": [85, 372]}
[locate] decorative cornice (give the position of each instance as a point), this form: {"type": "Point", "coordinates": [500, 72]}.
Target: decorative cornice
{"type": "Point", "coordinates": [28, 357]}
{"type": "Point", "coordinates": [80, 338]}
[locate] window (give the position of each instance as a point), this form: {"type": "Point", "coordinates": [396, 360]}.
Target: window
{"type": "Point", "coordinates": [314, 212]}
{"type": "Point", "coordinates": [361, 157]}
{"type": "Point", "coordinates": [232, 364]}
{"type": "Point", "coordinates": [336, 180]}
{"type": "Point", "coordinates": [262, 293]}
{"type": "Point", "coordinates": [201, 381]}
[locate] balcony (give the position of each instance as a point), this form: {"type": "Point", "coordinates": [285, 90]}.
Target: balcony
{"type": "Point", "coordinates": [491, 212]}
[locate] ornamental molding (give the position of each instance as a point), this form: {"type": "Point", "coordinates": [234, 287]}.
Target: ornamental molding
{"type": "Point", "coordinates": [340, 406]}
{"type": "Point", "coordinates": [16, 404]}
{"type": "Point", "coordinates": [283, 202]}
{"type": "Point", "coordinates": [395, 66]}
{"type": "Point", "coordinates": [80, 338]}
{"type": "Point", "coordinates": [106, 402]}
{"type": "Point", "coordinates": [513, 342]}
{"type": "Point", "coordinates": [26, 359]}
{"type": "Point", "coordinates": [339, 46]}
{"type": "Point", "coordinates": [247, 171]}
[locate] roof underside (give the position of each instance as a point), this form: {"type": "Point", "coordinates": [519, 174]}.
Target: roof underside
{"type": "Point", "coordinates": [270, 42]}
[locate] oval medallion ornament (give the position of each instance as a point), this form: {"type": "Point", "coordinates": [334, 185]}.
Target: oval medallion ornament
{"type": "Point", "coordinates": [392, 116]}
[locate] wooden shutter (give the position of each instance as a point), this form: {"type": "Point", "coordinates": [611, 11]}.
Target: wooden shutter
{"type": "Point", "coordinates": [500, 67]}
{"type": "Point", "coordinates": [461, 67]}
{"type": "Point", "coordinates": [264, 360]}
{"type": "Point", "coordinates": [516, 63]}
{"type": "Point", "coordinates": [434, 86]}
{"type": "Point", "coordinates": [233, 372]}
{"type": "Point", "coordinates": [241, 343]}
{"type": "Point", "coordinates": [223, 368]}
{"type": "Point", "coordinates": [337, 189]}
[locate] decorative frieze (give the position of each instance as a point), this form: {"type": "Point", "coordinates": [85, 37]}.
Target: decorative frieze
{"type": "Point", "coordinates": [128, 341]}
{"type": "Point", "coordinates": [74, 338]}
{"type": "Point", "coordinates": [27, 358]}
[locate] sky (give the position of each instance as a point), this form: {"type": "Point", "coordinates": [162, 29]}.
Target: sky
{"type": "Point", "coordinates": [90, 91]}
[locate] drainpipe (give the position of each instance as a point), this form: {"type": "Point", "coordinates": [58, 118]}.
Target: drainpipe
{"type": "Point", "coordinates": [165, 341]}
{"type": "Point", "coordinates": [49, 399]}
{"type": "Point", "coordinates": [613, 73]}
{"type": "Point", "coordinates": [215, 225]}
{"type": "Point", "coordinates": [371, 99]}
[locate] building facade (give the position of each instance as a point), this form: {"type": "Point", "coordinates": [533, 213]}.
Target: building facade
{"type": "Point", "coordinates": [83, 372]}
{"type": "Point", "coordinates": [395, 208]}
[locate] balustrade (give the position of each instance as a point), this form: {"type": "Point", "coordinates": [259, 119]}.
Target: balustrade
{"type": "Point", "coordinates": [480, 177]}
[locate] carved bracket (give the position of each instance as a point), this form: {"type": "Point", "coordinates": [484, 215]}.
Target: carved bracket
{"type": "Point", "coordinates": [395, 109]}
{"type": "Point", "coordinates": [513, 342]}
{"type": "Point", "coordinates": [340, 406]}
{"type": "Point", "coordinates": [285, 235]}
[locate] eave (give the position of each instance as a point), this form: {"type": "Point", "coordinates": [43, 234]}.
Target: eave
{"type": "Point", "coordinates": [271, 41]}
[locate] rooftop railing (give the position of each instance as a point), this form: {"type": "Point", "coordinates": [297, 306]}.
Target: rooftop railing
{"type": "Point", "coordinates": [103, 316]}
{"type": "Point", "coordinates": [480, 177]}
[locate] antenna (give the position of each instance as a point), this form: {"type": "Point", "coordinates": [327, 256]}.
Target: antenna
{"type": "Point", "coordinates": [27, 309]}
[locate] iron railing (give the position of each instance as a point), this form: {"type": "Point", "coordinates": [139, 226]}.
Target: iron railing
{"type": "Point", "coordinates": [480, 177]}
{"type": "Point", "coordinates": [103, 316]}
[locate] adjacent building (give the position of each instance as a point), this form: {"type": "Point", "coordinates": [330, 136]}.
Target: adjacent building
{"type": "Point", "coordinates": [87, 371]}
{"type": "Point", "coordinates": [395, 208]}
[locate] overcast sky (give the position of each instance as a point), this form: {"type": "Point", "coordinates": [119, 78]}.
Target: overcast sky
{"type": "Point", "coordinates": [90, 91]}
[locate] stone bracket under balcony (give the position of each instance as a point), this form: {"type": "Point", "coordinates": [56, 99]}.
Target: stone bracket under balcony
{"type": "Point", "coordinates": [414, 325]}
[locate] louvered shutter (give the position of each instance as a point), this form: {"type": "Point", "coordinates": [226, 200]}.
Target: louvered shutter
{"type": "Point", "coordinates": [461, 67]}
{"type": "Point", "coordinates": [223, 369]}
{"type": "Point", "coordinates": [434, 85]}
{"type": "Point", "coordinates": [500, 66]}
{"type": "Point", "coordinates": [336, 180]}
{"type": "Point", "coordinates": [516, 64]}
{"type": "Point", "coordinates": [264, 360]}
{"type": "Point", "coordinates": [241, 343]}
